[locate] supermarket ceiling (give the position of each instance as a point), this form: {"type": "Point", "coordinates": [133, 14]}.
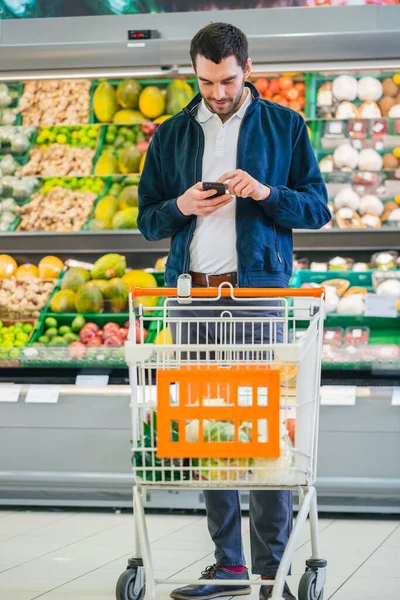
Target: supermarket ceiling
{"type": "Point", "coordinates": [282, 36]}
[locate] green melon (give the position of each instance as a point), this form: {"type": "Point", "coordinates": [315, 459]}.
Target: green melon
{"type": "Point", "coordinates": [89, 299]}
{"type": "Point", "coordinates": [179, 94]}
{"type": "Point", "coordinates": [128, 93]}
{"type": "Point", "coordinates": [116, 295]}
{"type": "Point", "coordinates": [74, 278]}
{"type": "Point", "coordinates": [126, 219]}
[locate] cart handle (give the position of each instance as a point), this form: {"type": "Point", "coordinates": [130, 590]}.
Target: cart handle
{"type": "Point", "coordinates": [211, 292]}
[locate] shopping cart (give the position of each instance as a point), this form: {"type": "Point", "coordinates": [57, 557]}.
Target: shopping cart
{"type": "Point", "coordinates": [250, 388]}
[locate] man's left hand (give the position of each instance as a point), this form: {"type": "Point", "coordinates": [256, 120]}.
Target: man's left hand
{"type": "Point", "coordinates": [244, 185]}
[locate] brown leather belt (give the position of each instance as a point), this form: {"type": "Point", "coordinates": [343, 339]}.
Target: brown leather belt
{"type": "Point", "coordinates": [213, 280]}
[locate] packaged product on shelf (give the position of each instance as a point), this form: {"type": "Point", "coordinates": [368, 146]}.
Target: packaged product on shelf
{"type": "Point", "coordinates": [356, 336]}
{"type": "Point", "coordinates": [333, 336]}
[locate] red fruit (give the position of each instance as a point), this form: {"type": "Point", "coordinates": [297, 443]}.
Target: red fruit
{"type": "Point", "coordinates": [126, 324]}
{"type": "Point", "coordinates": [76, 350]}
{"type": "Point", "coordinates": [300, 87]}
{"type": "Point", "coordinates": [143, 146]}
{"type": "Point", "coordinates": [122, 334]}
{"type": "Point", "coordinates": [113, 340]}
{"type": "Point", "coordinates": [90, 325]}
{"type": "Point", "coordinates": [100, 333]}
{"type": "Point", "coordinates": [95, 341]}
{"type": "Point", "coordinates": [292, 94]}
{"type": "Point", "coordinates": [110, 328]}
{"type": "Point", "coordinates": [285, 83]}
{"type": "Point", "coordinates": [295, 105]}
{"type": "Point", "coordinates": [283, 102]}
{"type": "Point", "coordinates": [85, 336]}
{"type": "Point", "coordinates": [262, 85]}
{"type": "Point", "coordinates": [148, 128]}
{"type": "Point", "coordinates": [274, 86]}
{"type": "Point", "coordinates": [291, 427]}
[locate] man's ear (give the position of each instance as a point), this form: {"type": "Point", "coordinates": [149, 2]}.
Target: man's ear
{"type": "Point", "coordinates": [247, 69]}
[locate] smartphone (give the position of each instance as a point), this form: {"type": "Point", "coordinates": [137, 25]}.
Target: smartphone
{"type": "Point", "coordinates": [219, 188]}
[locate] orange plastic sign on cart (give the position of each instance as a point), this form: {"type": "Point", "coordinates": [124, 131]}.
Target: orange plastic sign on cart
{"type": "Point", "coordinates": [193, 386]}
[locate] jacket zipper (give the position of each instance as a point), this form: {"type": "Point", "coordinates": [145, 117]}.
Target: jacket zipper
{"type": "Point", "coordinates": [275, 243]}
{"type": "Point", "coordinates": [193, 225]}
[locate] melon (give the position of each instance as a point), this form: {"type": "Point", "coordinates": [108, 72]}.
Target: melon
{"type": "Point", "coordinates": [129, 160]}
{"type": "Point", "coordinates": [152, 102]}
{"type": "Point", "coordinates": [128, 93]}
{"type": "Point", "coordinates": [128, 197]}
{"type": "Point", "coordinates": [74, 278]}
{"type": "Point", "coordinates": [179, 94]}
{"type": "Point", "coordinates": [126, 219]}
{"type": "Point", "coordinates": [127, 116]}
{"type": "Point", "coordinates": [105, 102]}
{"type": "Point", "coordinates": [116, 295]}
{"type": "Point", "coordinates": [109, 266]}
{"type": "Point", "coordinates": [63, 302]}
{"type": "Point", "coordinates": [89, 299]}
{"type": "Point", "coordinates": [106, 209]}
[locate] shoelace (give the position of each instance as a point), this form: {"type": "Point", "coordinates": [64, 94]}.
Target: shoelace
{"type": "Point", "coordinates": [210, 572]}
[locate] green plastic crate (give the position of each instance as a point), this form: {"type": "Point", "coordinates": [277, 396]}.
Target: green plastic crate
{"type": "Point", "coordinates": [162, 83]}
{"type": "Point", "coordinates": [363, 279]}
{"type": "Point", "coordinates": [314, 82]}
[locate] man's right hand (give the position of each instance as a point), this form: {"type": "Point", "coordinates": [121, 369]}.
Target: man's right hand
{"type": "Point", "coordinates": [194, 201]}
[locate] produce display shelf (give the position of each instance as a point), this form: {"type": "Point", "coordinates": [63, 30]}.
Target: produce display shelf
{"type": "Point", "coordinates": [315, 80]}
{"type": "Point", "coordinates": [162, 83]}
{"type": "Point", "coordinates": [356, 278]}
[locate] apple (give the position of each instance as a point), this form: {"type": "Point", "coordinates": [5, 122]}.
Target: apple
{"type": "Point", "coordinates": [285, 83]}
{"type": "Point", "coordinates": [148, 128]}
{"type": "Point", "coordinates": [113, 340]}
{"type": "Point", "coordinates": [76, 350]}
{"type": "Point", "coordinates": [292, 94]}
{"type": "Point", "coordinates": [122, 334]}
{"type": "Point", "coordinates": [126, 324]}
{"type": "Point", "coordinates": [274, 86]}
{"type": "Point", "coordinates": [95, 341]}
{"type": "Point", "coordinates": [86, 334]}
{"type": "Point", "coordinates": [143, 146]}
{"type": "Point", "coordinates": [110, 328]}
{"type": "Point", "coordinates": [90, 325]}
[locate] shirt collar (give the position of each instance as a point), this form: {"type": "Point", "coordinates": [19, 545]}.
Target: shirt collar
{"type": "Point", "coordinates": [204, 113]}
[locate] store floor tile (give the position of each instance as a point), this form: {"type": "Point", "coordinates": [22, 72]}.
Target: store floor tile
{"type": "Point", "coordinates": [67, 555]}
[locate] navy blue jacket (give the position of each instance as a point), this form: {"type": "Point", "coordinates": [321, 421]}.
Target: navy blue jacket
{"type": "Point", "coordinates": [274, 148]}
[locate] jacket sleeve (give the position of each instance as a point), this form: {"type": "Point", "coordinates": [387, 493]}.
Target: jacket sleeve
{"type": "Point", "coordinates": [159, 217]}
{"type": "Point", "coordinates": [304, 203]}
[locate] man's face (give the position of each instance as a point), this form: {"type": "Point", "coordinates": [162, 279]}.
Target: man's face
{"type": "Point", "coordinates": [221, 86]}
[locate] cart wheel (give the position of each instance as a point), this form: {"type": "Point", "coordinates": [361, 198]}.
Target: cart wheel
{"type": "Point", "coordinates": [131, 585]}
{"type": "Point", "coordinates": [307, 587]}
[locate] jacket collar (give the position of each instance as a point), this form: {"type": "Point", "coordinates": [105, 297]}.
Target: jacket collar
{"type": "Point", "coordinates": [193, 106]}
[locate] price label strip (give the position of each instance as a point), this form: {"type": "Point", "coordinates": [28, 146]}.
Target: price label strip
{"type": "Point", "coordinates": [9, 392]}
{"type": "Point", "coordinates": [43, 394]}
{"type": "Point", "coordinates": [381, 306]}
{"type": "Point", "coordinates": [396, 396]}
{"type": "Point", "coordinates": [92, 380]}
{"type": "Point", "coordinates": [338, 395]}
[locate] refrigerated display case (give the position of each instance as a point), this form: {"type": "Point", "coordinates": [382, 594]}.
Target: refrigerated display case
{"type": "Point", "coordinates": [83, 116]}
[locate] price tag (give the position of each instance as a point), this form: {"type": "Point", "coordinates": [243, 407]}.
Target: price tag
{"type": "Point", "coordinates": [92, 380]}
{"type": "Point", "coordinates": [381, 306]}
{"type": "Point", "coordinates": [9, 392]}
{"type": "Point", "coordinates": [43, 394]}
{"type": "Point", "coordinates": [396, 396]}
{"type": "Point", "coordinates": [338, 395]}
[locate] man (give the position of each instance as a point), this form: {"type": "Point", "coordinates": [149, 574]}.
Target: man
{"type": "Point", "coordinates": [262, 152]}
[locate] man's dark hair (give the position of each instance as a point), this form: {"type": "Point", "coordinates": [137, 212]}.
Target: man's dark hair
{"type": "Point", "coordinates": [218, 41]}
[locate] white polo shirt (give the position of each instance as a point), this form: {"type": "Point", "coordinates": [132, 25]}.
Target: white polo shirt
{"type": "Point", "coordinates": [213, 248]}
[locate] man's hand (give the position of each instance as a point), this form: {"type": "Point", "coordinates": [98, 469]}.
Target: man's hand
{"type": "Point", "coordinates": [194, 201]}
{"type": "Point", "coordinates": [244, 185]}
